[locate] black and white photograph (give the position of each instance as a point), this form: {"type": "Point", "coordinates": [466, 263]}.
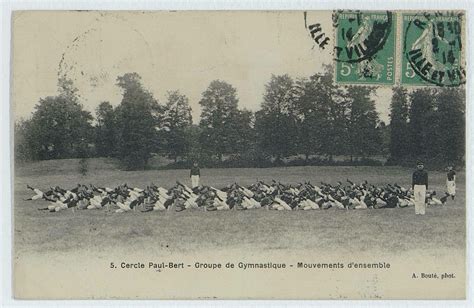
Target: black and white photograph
{"type": "Point", "coordinates": [304, 154]}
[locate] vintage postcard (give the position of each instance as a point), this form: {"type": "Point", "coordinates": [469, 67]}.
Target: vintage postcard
{"type": "Point", "coordinates": [239, 154]}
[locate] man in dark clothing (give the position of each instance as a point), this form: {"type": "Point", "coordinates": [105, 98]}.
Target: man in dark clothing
{"type": "Point", "coordinates": [194, 175]}
{"type": "Point", "coordinates": [420, 185]}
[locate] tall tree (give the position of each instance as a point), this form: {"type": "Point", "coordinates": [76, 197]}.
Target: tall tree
{"type": "Point", "coordinates": [384, 132]}
{"type": "Point", "coordinates": [176, 120]}
{"type": "Point", "coordinates": [422, 119]}
{"type": "Point", "coordinates": [276, 121]}
{"type": "Point", "coordinates": [308, 121]}
{"type": "Point", "coordinates": [451, 124]}
{"type": "Point", "coordinates": [23, 150]}
{"type": "Point", "coordinates": [137, 123]}
{"type": "Point", "coordinates": [242, 131]}
{"type": "Point", "coordinates": [192, 135]}
{"type": "Point", "coordinates": [363, 136]}
{"type": "Point", "coordinates": [59, 127]}
{"type": "Point", "coordinates": [399, 129]}
{"type": "Point", "coordinates": [219, 114]}
{"type": "Point", "coordinates": [321, 110]}
{"type": "Point", "coordinates": [106, 137]}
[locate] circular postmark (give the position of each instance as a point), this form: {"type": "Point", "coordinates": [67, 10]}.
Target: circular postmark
{"type": "Point", "coordinates": [360, 35]}
{"type": "Point", "coordinates": [433, 47]}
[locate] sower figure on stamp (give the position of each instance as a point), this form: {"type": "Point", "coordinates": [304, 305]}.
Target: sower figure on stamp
{"type": "Point", "coordinates": [194, 175]}
{"type": "Point", "coordinates": [451, 182]}
{"type": "Point", "coordinates": [419, 186]}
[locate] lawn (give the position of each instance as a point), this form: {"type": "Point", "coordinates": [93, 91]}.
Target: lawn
{"type": "Point", "coordinates": [385, 229]}
{"type": "Point", "coordinates": [441, 232]}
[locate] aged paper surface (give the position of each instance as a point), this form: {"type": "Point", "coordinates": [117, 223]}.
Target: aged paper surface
{"type": "Point", "coordinates": [336, 247]}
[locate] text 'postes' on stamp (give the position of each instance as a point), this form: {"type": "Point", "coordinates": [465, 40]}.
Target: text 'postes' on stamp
{"type": "Point", "coordinates": [365, 47]}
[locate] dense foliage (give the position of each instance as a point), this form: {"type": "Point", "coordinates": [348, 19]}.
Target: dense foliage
{"type": "Point", "coordinates": [313, 118]}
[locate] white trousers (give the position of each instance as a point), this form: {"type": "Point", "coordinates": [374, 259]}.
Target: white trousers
{"type": "Point", "coordinates": [420, 196]}
{"type": "Point", "coordinates": [194, 181]}
{"type": "Point", "coordinates": [451, 187]}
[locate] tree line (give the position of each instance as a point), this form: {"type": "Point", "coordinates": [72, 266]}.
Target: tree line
{"type": "Point", "coordinates": [428, 124]}
{"type": "Point", "coordinates": [310, 117]}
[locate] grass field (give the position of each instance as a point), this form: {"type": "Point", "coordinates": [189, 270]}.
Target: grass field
{"type": "Point", "coordinates": [73, 250]}
{"type": "Point", "coordinates": [193, 230]}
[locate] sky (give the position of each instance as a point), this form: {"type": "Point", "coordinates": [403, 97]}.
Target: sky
{"type": "Point", "coordinates": [182, 51]}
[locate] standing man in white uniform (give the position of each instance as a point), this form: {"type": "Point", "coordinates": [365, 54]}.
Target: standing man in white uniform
{"type": "Point", "coordinates": [195, 174]}
{"type": "Point", "coordinates": [451, 182]}
{"type": "Point", "coordinates": [419, 186]}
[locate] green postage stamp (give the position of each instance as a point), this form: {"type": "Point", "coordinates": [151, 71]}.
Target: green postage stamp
{"type": "Point", "coordinates": [365, 47]}
{"type": "Point", "coordinates": [432, 49]}
{"type": "Point", "coordinates": [407, 48]}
